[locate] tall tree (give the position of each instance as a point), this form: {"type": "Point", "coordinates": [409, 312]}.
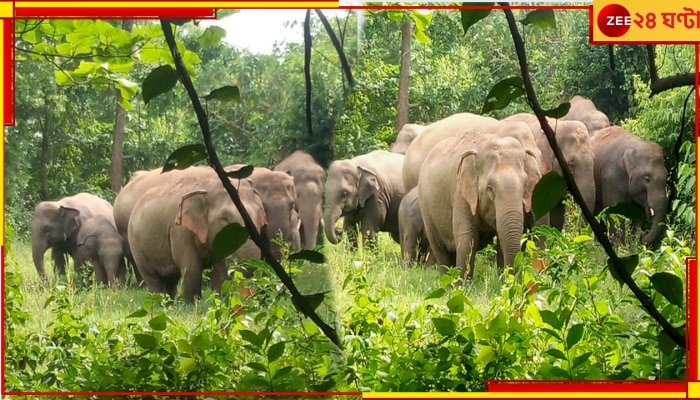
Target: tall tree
{"type": "Point", "coordinates": [404, 74]}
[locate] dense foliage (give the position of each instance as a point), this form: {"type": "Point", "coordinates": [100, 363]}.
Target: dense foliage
{"type": "Point", "coordinates": [570, 320]}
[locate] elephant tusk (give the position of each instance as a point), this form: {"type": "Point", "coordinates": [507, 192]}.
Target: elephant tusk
{"type": "Point", "coordinates": [651, 212]}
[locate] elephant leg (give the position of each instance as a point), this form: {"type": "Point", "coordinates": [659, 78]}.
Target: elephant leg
{"type": "Point", "coordinates": [556, 216]}
{"type": "Point", "coordinates": [191, 269]}
{"type": "Point", "coordinates": [466, 254]}
{"type": "Point", "coordinates": [217, 276]}
{"type": "Point", "coordinates": [101, 275]}
{"type": "Point", "coordinates": [170, 287]}
{"type": "Point", "coordinates": [59, 261]}
{"type": "Point", "coordinates": [154, 282]}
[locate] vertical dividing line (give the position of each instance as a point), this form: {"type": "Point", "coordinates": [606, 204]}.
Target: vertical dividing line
{"type": "Point", "coordinates": [8, 52]}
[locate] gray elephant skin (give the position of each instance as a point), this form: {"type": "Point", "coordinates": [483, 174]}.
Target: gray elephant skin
{"type": "Point", "coordinates": [308, 183]}
{"type": "Point", "coordinates": [471, 189]}
{"type": "Point", "coordinates": [630, 169]}
{"type": "Point", "coordinates": [414, 241]}
{"type": "Point", "coordinates": [366, 191]}
{"type": "Point", "coordinates": [405, 137]}
{"type": "Point", "coordinates": [278, 194]}
{"type": "Point", "coordinates": [582, 109]}
{"type": "Point", "coordinates": [172, 229]}
{"type": "Point", "coordinates": [55, 226]}
{"type": "Point", "coordinates": [100, 244]}
{"type": "Point", "coordinates": [574, 142]}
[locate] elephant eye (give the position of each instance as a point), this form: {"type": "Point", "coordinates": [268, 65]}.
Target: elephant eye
{"type": "Point", "coordinates": [647, 178]}
{"type": "Point", "coordinates": [344, 193]}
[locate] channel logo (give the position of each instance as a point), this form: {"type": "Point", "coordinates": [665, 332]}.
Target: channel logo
{"type": "Point", "coordinates": [614, 20]}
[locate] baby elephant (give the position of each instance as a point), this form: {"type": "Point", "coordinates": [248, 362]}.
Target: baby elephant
{"type": "Point", "coordinates": [412, 231]}
{"type": "Point", "coordinates": [100, 244]}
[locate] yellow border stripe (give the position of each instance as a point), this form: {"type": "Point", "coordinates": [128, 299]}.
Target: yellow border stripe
{"type": "Point", "coordinates": [213, 4]}
{"type": "Point", "coordinates": [530, 395]}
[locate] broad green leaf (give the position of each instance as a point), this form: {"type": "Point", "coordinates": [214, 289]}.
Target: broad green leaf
{"type": "Point", "coordinates": [550, 318]}
{"type": "Point", "coordinates": [275, 351]}
{"type": "Point", "coordinates": [421, 36]}
{"type": "Point", "coordinates": [498, 324]}
{"type": "Point", "coordinates": [159, 322]}
{"type": "Point", "coordinates": [187, 365]}
{"type": "Point", "coordinates": [560, 373]}
{"type": "Point", "coordinates": [212, 36]}
{"type": "Point", "coordinates": [62, 26]}
{"type": "Point", "coordinates": [185, 156]}
{"type": "Point", "coordinates": [228, 240]}
{"type": "Point", "coordinates": [421, 19]}
{"type": "Point", "coordinates": [601, 307]}
{"type": "Point", "coordinates": [629, 263]}
{"type": "Point", "coordinates": [628, 210]}
{"type": "Point", "coordinates": [543, 18]}
{"type": "Point", "coordinates": [559, 111]}
{"type": "Point", "coordinates": [257, 367]}
{"type": "Point", "coordinates": [548, 192]}
{"type": "Point", "coordinates": [63, 78]}
{"type": "Point", "coordinates": [313, 300]}
{"type": "Point", "coordinates": [145, 341]}
{"type": "Point", "coordinates": [161, 80]}
{"type": "Point", "coordinates": [251, 337]}
{"type": "Point", "coordinates": [436, 294]}
{"type": "Point", "coordinates": [183, 346]}
{"type": "Point", "coordinates": [456, 303]}
{"type": "Point", "coordinates": [151, 53]}
{"type": "Point", "coordinates": [670, 286]}
{"type": "Point", "coordinates": [308, 255]}
{"type": "Point", "coordinates": [553, 333]}
{"type": "Point", "coordinates": [574, 335]}
{"type": "Point", "coordinates": [666, 344]}
{"type": "Point", "coordinates": [282, 372]}
{"type": "Point", "coordinates": [503, 93]}
{"type": "Point", "coordinates": [472, 16]}
{"type": "Point", "coordinates": [33, 36]}
{"type": "Point", "coordinates": [241, 173]}
{"type": "Point", "coordinates": [556, 353]}
{"type": "Point", "coordinates": [578, 361]}
{"type": "Point", "coordinates": [582, 239]}
{"type": "Point", "coordinates": [65, 49]}
{"type": "Point", "coordinates": [444, 326]}
{"type": "Point", "coordinates": [138, 314]}
{"type": "Point", "coordinates": [486, 354]}
{"type": "Point", "coordinates": [225, 94]}
{"type": "Point", "coordinates": [395, 15]}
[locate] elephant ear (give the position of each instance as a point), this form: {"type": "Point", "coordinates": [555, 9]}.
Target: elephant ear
{"type": "Point", "coordinates": [628, 161]}
{"type": "Point", "coordinates": [530, 183]}
{"type": "Point", "coordinates": [468, 183]}
{"type": "Point", "coordinates": [368, 185]}
{"type": "Point", "coordinates": [71, 222]}
{"type": "Point", "coordinates": [192, 213]}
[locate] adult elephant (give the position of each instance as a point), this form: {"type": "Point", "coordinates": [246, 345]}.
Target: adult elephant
{"type": "Point", "coordinates": [100, 244]}
{"type": "Point", "coordinates": [308, 184]}
{"type": "Point", "coordinates": [582, 109]}
{"type": "Point", "coordinates": [452, 126]}
{"type": "Point", "coordinates": [629, 169]}
{"type": "Point", "coordinates": [573, 140]}
{"type": "Point", "coordinates": [414, 241]}
{"type": "Point", "coordinates": [405, 137]}
{"type": "Point", "coordinates": [276, 189]}
{"type": "Point", "coordinates": [366, 191]}
{"type": "Point", "coordinates": [55, 226]}
{"type": "Point", "coordinates": [471, 189]}
{"type": "Point", "coordinates": [172, 229]}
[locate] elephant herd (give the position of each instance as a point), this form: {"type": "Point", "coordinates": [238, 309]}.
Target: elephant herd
{"type": "Point", "coordinates": [443, 192]}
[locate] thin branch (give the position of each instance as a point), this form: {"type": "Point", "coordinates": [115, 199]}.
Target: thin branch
{"type": "Point", "coordinates": [338, 47]}
{"type": "Point", "coordinates": [307, 69]}
{"type": "Point", "coordinates": [588, 215]}
{"type": "Point", "coordinates": [297, 297]}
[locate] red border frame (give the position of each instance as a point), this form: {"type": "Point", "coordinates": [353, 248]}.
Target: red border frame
{"type": "Point", "coordinates": [491, 386]}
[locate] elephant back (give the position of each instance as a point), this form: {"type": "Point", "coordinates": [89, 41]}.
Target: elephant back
{"type": "Point", "coordinates": [89, 206]}
{"type": "Point", "coordinates": [405, 137]}
{"type": "Point", "coordinates": [454, 125]}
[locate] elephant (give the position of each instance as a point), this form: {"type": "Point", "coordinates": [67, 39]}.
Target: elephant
{"type": "Point", "coordinates": [278, 194]}
{"type": "Point", "coordinates": [366, 190]}
{"type": "Point", "coordinates": [55, 226]}
{"type": "Point", "coordinates": [414, 241]}
{"type": "Point", "coordinates": [454, 125]}
{"type": "Point", "coordinates": [101, 244]}
{"type": "Point", "coordinates": [471, 189]}
{"type": "Point", "coordinates": [405, 137]}
{"type": "Point", "coordinates": [308, 183]}
{"type": "Point", "coordinates": [172, 229]}
{"type": "Point", "coordinates": [630, 169]}
{"type": "Point", "coordinates": [585, 111]}
{"type": "Point", "coordinates": [574, 142]}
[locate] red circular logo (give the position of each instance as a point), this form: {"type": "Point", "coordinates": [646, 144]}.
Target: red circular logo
{"type": "Point", "coordinates": [614, 20]}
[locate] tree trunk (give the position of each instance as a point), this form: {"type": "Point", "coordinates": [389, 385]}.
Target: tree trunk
{"type": "Point", "coordinates": [44, 168]}
{"type": "Point", "coordinates": [119, 127]}
{"type": "Point", "coordinates": [404, 75]}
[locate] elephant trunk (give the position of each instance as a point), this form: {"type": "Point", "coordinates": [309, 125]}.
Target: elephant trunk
{"type": "Point", "coordinates": [330, 216]}
{"type": "Point", "coordinates": [509, 227]}
{"type": "Point", "coordinates": [39, 247]}
{"type": "Point", "coordinates": [658, 204]}
{"type": "Point", "coordinates": [586, 185]}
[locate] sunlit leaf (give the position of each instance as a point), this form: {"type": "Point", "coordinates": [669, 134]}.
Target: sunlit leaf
{"type": "Point", "coordinates": [212, 36]}
{"type": "Point", "coordinates": [670, 286]}
{"type": "Point", "coordinates": [444, 326]}
{"type": "Point", "coordinates": [145, 341]}
{"type": "Point", "coordinates": [543, 18]}
{"type": "Point", "coordinates": [435, 294]}
{"type": "Point", "coordinates": [225, 94]}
